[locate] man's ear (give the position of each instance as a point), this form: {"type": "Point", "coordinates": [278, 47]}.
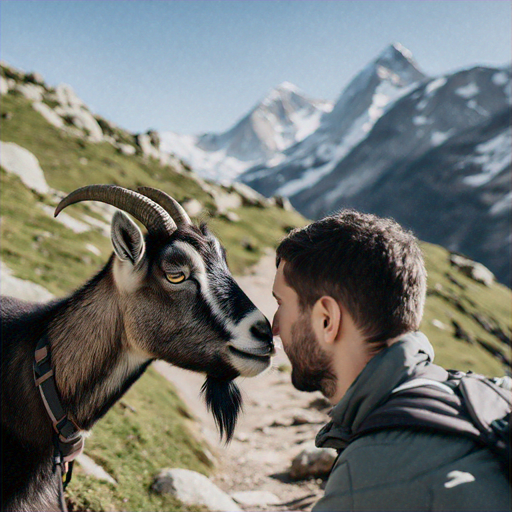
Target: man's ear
{"type": "Point", "coordinates": [327, 318]}
{"type": "Point", "coordinates": [126, 238]}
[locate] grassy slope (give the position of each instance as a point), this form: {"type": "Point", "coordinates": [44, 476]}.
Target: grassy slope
{"type": "Point", "coordinates": [132, 446]}
{"type": "Point", "coordinates": [140, 435]}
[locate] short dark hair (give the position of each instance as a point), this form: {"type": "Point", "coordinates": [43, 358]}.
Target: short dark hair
{"type": "Point", "coordinates": [371, 265]}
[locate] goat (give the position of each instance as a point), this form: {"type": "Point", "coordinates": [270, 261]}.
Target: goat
{"type": "Point", "coordinates": [168, 295]}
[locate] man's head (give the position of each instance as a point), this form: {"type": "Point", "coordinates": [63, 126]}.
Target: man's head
{"type": "Point", "coordinates": [352, 270]}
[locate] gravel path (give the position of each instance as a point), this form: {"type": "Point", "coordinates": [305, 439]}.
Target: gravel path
{"type": "Point", "coordinates": [277, 422]}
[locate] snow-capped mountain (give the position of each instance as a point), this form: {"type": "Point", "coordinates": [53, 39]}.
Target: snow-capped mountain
{"type": "Point", "coordinates": [283, 118]}
{"type": "Point", "coordinates": [436, 157]}
{"type": "Point", "coordinates": [371, 93]}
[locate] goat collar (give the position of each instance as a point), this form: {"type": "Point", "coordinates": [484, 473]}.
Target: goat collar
{"type": "Point", "coordinates": [68, 439]}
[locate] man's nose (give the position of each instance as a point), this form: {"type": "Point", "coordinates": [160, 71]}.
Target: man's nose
{"type": "Point", "coordinates": [275, 326]}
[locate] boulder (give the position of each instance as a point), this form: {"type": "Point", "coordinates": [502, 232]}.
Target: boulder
{"type": "Point", "coordinates": [83, 120]}
{"type": "Point", "coordinates": [73, 109]}
{"type": "Point", "coordinates": [225, 201]}
{"type": "Point", "coordinates": [90, 467]}
{"type": "Point", "coordinates": [4, 85]}
{"type": "Point", "coordinates": [312, 462]}
{"type": "Point", "coordinates": [283, 203]}
{"type": "Point", "coordinates": [23, 163]}
{"type": "Point", "coordinates": [35, 78]}
{"type": "Point", "coordinates": [143, 140]}
{"type": "Point", "coordinates": [126, 149]}
{"type": "Point", "coordinates": [20, 288]}
{"type": "Point", "coordinates": [249, 196]}
{"type": "Point", "coordinates": [31, 91]}
{"type": "Point", "coordinates": [472, 269]}
{"type": "Point", "coordinates": [193, 488]}
{"type": "Point", "coordinates": [258, 499]}
{"type": "Point", "coordinates": [66, 97]}
{"type": "Point", "coordinates": [66, 219]}
{"type": "Point", "coordinates": [48, 113]}
{"type": "Point", "coordinates": [193, 207]}
{"type": "Point", "coordinates": [230, 216]}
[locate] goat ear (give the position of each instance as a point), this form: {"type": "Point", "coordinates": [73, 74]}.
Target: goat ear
{"type": "Point", "coordinates": [126, 238]}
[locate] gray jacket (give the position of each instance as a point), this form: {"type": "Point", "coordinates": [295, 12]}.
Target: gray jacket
{"type": "Point", "coordinates": [404, 469]}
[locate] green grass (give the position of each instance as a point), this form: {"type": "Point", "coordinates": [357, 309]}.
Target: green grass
{"type": "Point", "coordinates": [453, 296]}
{"type": "Point", "coordinates": [133, 446]}
{"type": "Point", "coordinates": [61, 156]}
{"type": "Point", "coordinates": [139, 436]}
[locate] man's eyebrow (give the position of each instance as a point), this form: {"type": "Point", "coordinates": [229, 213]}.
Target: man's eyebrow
{"type": "Point", "coordinates": [274, 294]}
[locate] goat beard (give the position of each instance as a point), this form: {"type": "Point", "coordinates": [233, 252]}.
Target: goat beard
{"type": "Point", "coordinates": [224, 400]}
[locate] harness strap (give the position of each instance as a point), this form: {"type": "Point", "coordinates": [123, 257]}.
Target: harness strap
{"type": "Point", "coordinates": [68, 441]}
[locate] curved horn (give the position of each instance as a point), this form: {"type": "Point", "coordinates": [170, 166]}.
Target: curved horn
{"type": "Point", "coordinates": [152, 216]}
{"type": "Point", "coordinates": [168, 203]}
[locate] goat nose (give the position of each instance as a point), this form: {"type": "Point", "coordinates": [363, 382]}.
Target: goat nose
{"type": "Point", "coordinates": [262, 331]}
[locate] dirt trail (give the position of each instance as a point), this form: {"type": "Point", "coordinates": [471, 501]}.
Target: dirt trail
{"type": "Point", "coordinates": [273, 427]}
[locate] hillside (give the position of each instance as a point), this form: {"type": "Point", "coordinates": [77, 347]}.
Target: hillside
{"type": "Point", "coordinates": [432, 152]}
{"type": "Point", "coordinates": [468, 322]}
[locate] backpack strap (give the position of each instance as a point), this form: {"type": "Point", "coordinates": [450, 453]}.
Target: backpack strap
{"type": "Point", "coordinates": [467, 405]}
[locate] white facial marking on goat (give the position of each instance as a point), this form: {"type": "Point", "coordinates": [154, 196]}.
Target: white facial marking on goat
{"type": "Point", "coordinates": [241, 337]}
{"type": "Point", "coordinates": [128, 278]}
{"type": "Point", "coordinates": [202, 276]}
{"type": "Point", "coordinates": [243, 340]}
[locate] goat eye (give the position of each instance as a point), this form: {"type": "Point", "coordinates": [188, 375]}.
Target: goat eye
{"type": "Point", "coordinates": [175, 277]}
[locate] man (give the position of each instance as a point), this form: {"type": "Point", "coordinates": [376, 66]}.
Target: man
{"type": "Point", "coordinates": [350, 290]}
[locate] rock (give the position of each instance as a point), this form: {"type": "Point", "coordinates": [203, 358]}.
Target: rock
{"type": "Point", "coordinates": [91, 468]}
{"type": "Point", "coordinates": [193, 207]}
{"type": "Point", "coordinates": [305, 418]}
{"type": "Point", "coordinates": [73, 109]}
{"type": "Point", "coordinates": [35, 78]}
{"type": "Point", "coordinates": [249, 196]}
{"type": "Point", "coordinates": [66, 219]}
{"type": "Point", "coordinates": [283, 203]}
{"type": "Point", "coordinates": [193, 488]}
{"type": "Point", "coordinates": [437, 323]}
{"type": "Point", "coordinates": [472, 269]}
{"type": "Point", "coordinates": [93, 249]}
{"type": "Point", "coordinates": [31, 91]}
{"type": "Point", "coordinates": [154, 138]}
{"type": "Point", "coordinates": [4, 85]}
{"type": "Point", "coordinates": [126, 149]}
{"type": "Point", "coordinates": [143, 140]}
{"type": "Point", "coordinates": [20, 288]}
{"type": "Point", "coordinates": [255, 498]}
{"type": "Point", "coordinates": [226, 201]}
{"type": "Point", "coordinates": [231, 216]}
{"type": "Point", "coordinates": [312, 461]}
{"type": "Point", "coordinates": [83, 120]}
{"type": "Point", "coordinates": [49, 114]}
{"type": "Point", "coordinates": [66, 97]}
{"type": "Point", "coordinates": [23, 163]}
{"type": "Point", "coordinates": [286, 422]}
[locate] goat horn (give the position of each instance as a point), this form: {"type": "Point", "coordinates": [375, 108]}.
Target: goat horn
{"type": "Point", "coordinates": [168, 203]}
{"type": "Point", "coordinates": [152, 215]}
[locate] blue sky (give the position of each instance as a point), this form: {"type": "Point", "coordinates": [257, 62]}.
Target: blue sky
{"type": "Point", "coordinates": [194, 66]}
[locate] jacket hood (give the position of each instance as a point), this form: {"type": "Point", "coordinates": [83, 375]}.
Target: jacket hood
{"type": "Point", "coordinates": [384, 372]}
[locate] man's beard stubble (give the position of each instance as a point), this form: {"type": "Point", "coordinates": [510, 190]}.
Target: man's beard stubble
{"type": "Point", "coordinates": [312, 368]}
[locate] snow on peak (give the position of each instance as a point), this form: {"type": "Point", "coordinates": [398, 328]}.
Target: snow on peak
{"type": "Point", "coordinates": [399, 60]}
{"type": "Point", "coordinates": [288, 86]}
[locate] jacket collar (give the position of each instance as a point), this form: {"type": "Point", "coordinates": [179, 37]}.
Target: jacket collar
{"type": "Point", "coordinates": [388, 369]}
